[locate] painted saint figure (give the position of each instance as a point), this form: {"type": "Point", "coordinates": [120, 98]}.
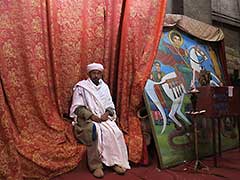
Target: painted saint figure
{"type": "Point", "coordinates": [175, 91]}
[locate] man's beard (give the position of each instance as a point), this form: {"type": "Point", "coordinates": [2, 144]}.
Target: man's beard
{"type": "Point", "coordinates": [95, 81]}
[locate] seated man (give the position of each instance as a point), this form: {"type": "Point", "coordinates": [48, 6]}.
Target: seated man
{"type": "Point", "coordinates": [92, 105]}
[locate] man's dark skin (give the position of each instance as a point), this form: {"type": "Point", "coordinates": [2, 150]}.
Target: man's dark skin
{"type": "Point", "coordinates": [95, 76]}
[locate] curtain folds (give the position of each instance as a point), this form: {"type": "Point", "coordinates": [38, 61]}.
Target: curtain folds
{"type": "Point", "coordinates": [44, 49]}
{"type": "Point", "coordinates": [142, 25]}
{"type": "Point", "coordinates": [34, 138]}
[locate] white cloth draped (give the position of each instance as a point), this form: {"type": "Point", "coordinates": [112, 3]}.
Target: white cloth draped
{"type": "Point", "coordinates": [111, 144]}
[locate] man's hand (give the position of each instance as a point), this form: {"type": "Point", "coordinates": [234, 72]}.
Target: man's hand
{"type": "Point", "coordinates": [95, 118]}
{"type": "Point", "coordinates": [104, 117]}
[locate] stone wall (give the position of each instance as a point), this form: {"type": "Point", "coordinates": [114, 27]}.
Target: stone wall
{"type": "Point", "coordinates": [198, 9]}
{"type": "Point", "coordinates": [227, 12]}
{"type": "Point", "coordinates": [226, 15]}
{"type": "Point", "coordinates": [232, 57]}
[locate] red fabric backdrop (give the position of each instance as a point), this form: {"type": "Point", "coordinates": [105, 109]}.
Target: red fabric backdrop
{"type": "Point", "coordinates": [142, 25]}
{"type": "Point", "coordinates": [44, 49]}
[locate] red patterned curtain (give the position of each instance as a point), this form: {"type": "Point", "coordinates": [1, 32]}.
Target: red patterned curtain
{"type": "Point", "coordinates": [142, 25]}
{"type": "Point", "coordinates": [35, 141]}
{"type": "Point", "coordinates": [44, 49]}
{"type": "Point", "coordinates": [81, 32]}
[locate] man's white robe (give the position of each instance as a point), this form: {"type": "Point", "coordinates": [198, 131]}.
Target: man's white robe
{"type": "Point", "coordinates": [97, 99]}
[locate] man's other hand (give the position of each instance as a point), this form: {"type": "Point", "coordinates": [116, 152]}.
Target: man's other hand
{"type": "Point", "coordinates": [104, 117]}
{"type": "Point", "coordinates": [95, 118]}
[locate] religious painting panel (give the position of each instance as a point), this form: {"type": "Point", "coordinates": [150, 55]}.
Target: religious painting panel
{"type": "Point", "coordinates": [182, 63]}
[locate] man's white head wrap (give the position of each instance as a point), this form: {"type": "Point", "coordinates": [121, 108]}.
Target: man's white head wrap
{"type": "Point", "coordinates": [94, 66]}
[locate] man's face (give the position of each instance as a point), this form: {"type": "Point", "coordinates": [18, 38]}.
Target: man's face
{"type": "Point", "coordinates": [158, 67]}
{"type": "Point", "coordinates": [177, 41]}
{"type": "Point", "coordinates": [95, 76]}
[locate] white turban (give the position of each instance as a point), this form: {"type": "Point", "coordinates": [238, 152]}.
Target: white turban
{"type": "Point", "coordinates": [94, 66]}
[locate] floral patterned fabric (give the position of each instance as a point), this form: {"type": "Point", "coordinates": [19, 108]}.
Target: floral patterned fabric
{"type": "Point", "coordinates": [44, 49]}
{"type": "Point", "coordinates": [142, 25]}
